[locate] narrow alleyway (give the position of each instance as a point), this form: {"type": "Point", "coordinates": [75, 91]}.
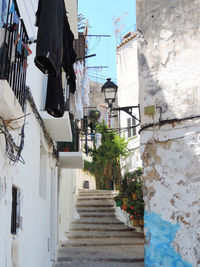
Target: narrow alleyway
{"type": "Point", "coordinates": [98, 238]}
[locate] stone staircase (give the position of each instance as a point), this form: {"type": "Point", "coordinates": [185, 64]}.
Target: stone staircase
{"type": "Point", "coordinates": [98, 238]}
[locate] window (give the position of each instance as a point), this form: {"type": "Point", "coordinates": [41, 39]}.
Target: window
{"type": "Point", "coordinates": [131, 131]}
{"type": "Point", "coordinates": [15, 218]}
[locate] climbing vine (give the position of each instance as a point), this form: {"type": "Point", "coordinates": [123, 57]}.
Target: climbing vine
{"type": "Point", "coordinates": [105, 165]}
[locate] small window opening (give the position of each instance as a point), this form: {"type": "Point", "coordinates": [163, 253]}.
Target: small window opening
{"type": "Point", "coordinates": [131, 130]}
{"type": "Point", "coordinates": [15, 210]}
{"type": "Point", "coordinates": [134, 128]}
{"type": "Point", "coordinates": [86, 185]}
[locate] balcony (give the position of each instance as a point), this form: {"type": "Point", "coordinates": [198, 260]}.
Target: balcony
{"type": "Point", "coordinates": [58, 128]}
{"type": "Point", "coordinates": [13, 63]}
{"type": "Point", "coordinates": [69, 155]}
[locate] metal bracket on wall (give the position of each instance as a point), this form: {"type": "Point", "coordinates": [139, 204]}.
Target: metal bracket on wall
{"type": "Point", "coordinates": [128, 110]}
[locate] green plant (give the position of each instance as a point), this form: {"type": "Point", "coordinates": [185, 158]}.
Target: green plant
{"type": "Point", "coordinates": [106, 159]}
{"type": "Point", "coordinates": [94, 114]}
{"type": "Point", "coordinates": [132, 183]}
{"type": "Point", "coordinates": [135, 209]}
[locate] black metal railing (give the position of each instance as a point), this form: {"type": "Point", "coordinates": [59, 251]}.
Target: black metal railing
{"type": "Point", "coordinates": [14, 52]}
{"type": "Point", "coordinates": [70, 146]}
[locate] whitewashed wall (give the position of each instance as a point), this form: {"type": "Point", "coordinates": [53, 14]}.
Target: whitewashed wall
{"type": "Point", "coordinates": [68, 191]}
{"type": "Point", "coordinates": [86, 176]}
{"type": "Point", "coordinates": [31, 244]}
{"type": "Point", "coordinates": [35, 244]}
{"type": "Point", "coordinates": [128, 94]}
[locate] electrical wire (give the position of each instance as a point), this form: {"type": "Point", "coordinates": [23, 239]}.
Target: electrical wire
{"type": "Point", "coordinates": [93, 76]}
{"type": "Point", "coordinates": [103, 76]}
{"type": "Point", "coordinates": [171, 139]}
{"type": "Point", "coordinates": [169, 121]}
{"type": "Point", "coordinates": [13, 151]}
{"type": "Point", "coordinates": [96, 43]}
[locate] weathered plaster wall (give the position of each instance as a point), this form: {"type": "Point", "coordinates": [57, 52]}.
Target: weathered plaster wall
{"type": "Point", "coordinates": [169, 78]}
{"type": "Point", "coordinates": [169, 56]}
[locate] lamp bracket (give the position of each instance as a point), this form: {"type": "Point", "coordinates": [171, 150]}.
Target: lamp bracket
{"type": "Point", "coordinates": [128, 110]}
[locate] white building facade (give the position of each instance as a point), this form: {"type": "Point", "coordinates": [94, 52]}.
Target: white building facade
{"type": "Point", "coordinates": [128, 95]}
{"type": "Point", "coordinates": [33, 205]}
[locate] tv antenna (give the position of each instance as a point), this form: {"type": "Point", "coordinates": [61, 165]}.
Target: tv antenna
{"type": "Point", "coordinates": [119, 25]}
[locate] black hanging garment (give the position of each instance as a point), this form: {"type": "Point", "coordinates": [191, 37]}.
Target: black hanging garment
{"type": "Point", "coordinates": [55, 99]}
{"type": "Point", "coordinates": [54, 50]}
{"type": "Point", "coordinates": [49, 51]}
{"type": "Point", "coordinates": [69, 55]}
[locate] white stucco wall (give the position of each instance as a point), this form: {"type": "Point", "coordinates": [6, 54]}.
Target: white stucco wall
{"type": "Point", "coordinates": [35, 241]}
{"type": "Point", "coordinates": [34, 210]}
{"type": "Point", "coordinates": [86, 176]}
{"type": "Point", "coordinates": [35, 244]}
{"type": "Point", "coordinates": [128, 94]}
{"type": "Point", "coordinates": [68, 191]}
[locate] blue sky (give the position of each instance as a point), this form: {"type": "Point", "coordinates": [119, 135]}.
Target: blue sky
{"type": "Point", "coordinates": [102, 16]}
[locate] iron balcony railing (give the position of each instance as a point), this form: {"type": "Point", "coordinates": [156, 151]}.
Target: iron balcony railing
{"type": "Point", "coordinates": [14, 51]}
{"type": "Point", "coordinates": [70, 146]}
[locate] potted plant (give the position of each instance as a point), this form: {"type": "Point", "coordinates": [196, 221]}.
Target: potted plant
{"type": "Point", "coordinates": [136, 212]}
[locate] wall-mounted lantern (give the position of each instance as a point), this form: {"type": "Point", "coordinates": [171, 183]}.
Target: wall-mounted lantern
{"type": "Point", "coordinates": [110, 89]}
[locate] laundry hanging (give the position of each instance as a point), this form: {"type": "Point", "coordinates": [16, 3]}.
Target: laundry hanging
{"type": "Point", "coordinates": [3, 12]}
{"type": "Point", "coordinates": [55, 39]}
{"type": "Point", "coordinates": [55, 99]}
{"type": "Point", "coordinates": [69, 55]}
{"type": "Point", "coordinates": [55, 50]}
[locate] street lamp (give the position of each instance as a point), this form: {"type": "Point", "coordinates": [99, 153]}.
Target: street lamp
{"type": "Point", "coordinates": [109, 89]}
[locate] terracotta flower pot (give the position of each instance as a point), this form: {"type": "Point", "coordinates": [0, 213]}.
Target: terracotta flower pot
{"type": "Point", "coordinates": [125, 200]}
{"type": "Point", "coordinates": [141, 222]}
{"type": "Point", "coordinates": [134, 196]}
{"type": "Point", "coordinates": [135, 223]}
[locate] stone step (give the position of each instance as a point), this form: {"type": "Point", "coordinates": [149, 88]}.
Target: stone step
{"type": "Point", "coordinates": [100, 263]}
{"type": "Point", "coordinates": [96, 194]}
{"type": "Point", "coordinates": [103, 234]}
{"type": "Point", "coordinates": [90, 191]}
{"type": "Point", "coordinates": [102, 206]}
{"type": "Point", "coordinates": [97, 209]}
{"type": "Point", "coordinates": [101, 227]}
{"type": "Point", "coordinates": [97, 214]}
{"type": "Point", "coordinates": [116, 254]}
{"type": "Point", "coordinates": [94, 220]}
{"type": "Point", "coordinates": [103, 242]}
{"type": "Point", "coordinates": [102, 198]}
{"type": "Point", "coordinates": [95, 204]}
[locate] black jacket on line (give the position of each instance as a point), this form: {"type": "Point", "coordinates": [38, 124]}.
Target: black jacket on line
{"type": "Point", "coordinates": [50, 22]}
{"type": "Point", "coordinates": [54, 50]}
